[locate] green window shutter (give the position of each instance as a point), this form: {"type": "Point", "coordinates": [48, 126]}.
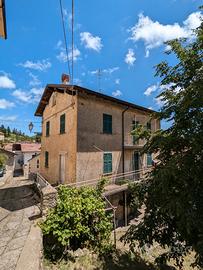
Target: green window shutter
{"type": "Point", "coordinates": [149, 126]}
{"type": "Point", "coordinates": [107, 163]}
{"type": "Point", "coordinates": [149, 159]}
{"type": "Point", "coordinates": [107, 123]}
{"type": "Point", "coordinates": [47, 128]}
{"type": "Point", "coordinates": [46, 159]}
{"type": "Point", "coordinates": [62, 123]}
{"type": "Point", "coordinates": [134, 126]}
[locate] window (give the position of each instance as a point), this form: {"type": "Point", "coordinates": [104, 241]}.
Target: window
{"type": "Point", "coordinates": [53, 99]}
{"type": "Point", "coordinates": [149, 159]}
{"type": "Point", "coordinates": [62, 123]}
{"type": "Point", "coordinates": [47, 128]}
{"type": "Point", "coordinates": [134, 126]}
{"type": "Point", "coordinates": [107, 123]}
{"type": "Point", "coordinates": [46, 159]}
{"type": "Point", "coordinates": [38, 164]}
{"type": "Point", "coordinates": [107, 163]}
{"type": "Point", "coordinates": [149, 126]}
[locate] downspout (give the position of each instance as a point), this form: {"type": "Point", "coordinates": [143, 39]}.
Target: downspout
{"type": "Point", "coordinates": [123, 137]}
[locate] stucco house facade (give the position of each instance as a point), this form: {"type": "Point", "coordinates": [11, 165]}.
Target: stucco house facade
{"type": "Point", "coordinates": [86, 134]}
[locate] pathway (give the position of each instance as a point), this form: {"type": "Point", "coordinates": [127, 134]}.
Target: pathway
{"type": "Point", "coordinates": [17, 204]}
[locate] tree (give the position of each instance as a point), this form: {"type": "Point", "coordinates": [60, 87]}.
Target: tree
{"type": "Point", "coordinates": [78, 220]}
{"type": "Point", "coordinates": [3, 159]}
{"type": "Point", "coordinates": [173, 191]}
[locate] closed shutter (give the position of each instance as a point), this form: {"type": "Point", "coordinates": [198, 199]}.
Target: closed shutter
{"type": "Point", "coordinates": [46, 159]}
{"type": "Point", "coordinates": [107, 163]}
{"type": "Point", "coordinates": [149, 159]}
{"type": "Point", "coordinates": [149, 126]}
{"type": "Point", "coordinates": [135, 124]}
{"type": "Point", "coordinates": [47, 128]}
{"type": "Point", "coordinates": [107, 123]}
{"type": "Point", "coordinates": [62, 123]}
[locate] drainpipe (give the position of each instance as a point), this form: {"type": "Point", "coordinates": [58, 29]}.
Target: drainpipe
{"type": "Point", "coordinates": [123, 137]}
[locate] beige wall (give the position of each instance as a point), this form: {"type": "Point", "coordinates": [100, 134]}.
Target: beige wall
{"type": "Point", "coordinates": [57, 143]}
{"type": "Point", "coordinates": [33, 164]}
{"type": "Point", "coordinates": [92, 143]}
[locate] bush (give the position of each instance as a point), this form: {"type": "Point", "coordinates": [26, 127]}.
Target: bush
{"type": "Point", "coordinates": [79, 220]}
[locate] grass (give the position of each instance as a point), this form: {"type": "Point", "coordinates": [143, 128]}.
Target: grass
{"type": "Point", "coordinates": [121, 259]}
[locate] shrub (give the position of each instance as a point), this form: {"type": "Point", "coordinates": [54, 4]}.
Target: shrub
{"type": "Point", "coordinates": [79, 220]}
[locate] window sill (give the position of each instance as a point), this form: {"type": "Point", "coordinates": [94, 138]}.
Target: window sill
{"type": "Point", "coordinates": [107, 174]}
{"type": "Point", "coordinates": [62, 133]}
{"type": "Point", "coordinates": [106, 133]}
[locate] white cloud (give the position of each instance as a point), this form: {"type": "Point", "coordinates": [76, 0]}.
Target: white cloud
{"type": "Point", "coordinates": [154, 34]}
{"type": "Point", "coordinates": [106, 71]}
{"type": "Point", "coordinates": [159, 101]}
{"type": "Point", "coordinates": [117, 93]}
{"type": "Point", "coordinates": [110, 70]}
{"type": "Point", "coordinates": [117, 81]}
{"type": "Point", "coordinates": [62, 56]}
{"type": "Point", "coordinates": [6, 82]}
{"type": "Point", "coordinates": [151, 89]}
{"type": "Point", "coordinates": [130, 57]}
{"type": "Point", "coordinates": [31, 96]}
{"type": "Point", "coordinates": [90, 41]}
{"type": "Point", "coordinates": [34, 80]}
{"type": "Point", "coordinates": [5, 104]}
{"type": "Point", "coordinates": [76, 54]}
{"type": "Point", "coordinates": [38, 65]}
{"type": "Point", "coordinates": [11, 118]}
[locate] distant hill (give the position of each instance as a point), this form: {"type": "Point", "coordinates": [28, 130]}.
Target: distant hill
{"type": "Point", "coordinates": [18, 136]}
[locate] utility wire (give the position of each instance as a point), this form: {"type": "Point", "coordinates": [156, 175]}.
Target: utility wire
{"type": "Point", "coordinates": [72, 29]}
{"type": "Point", "coordinates": [64, 34]}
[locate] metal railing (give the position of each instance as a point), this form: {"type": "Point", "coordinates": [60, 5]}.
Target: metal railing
{"type": "Point", "coordinates": [115, 179]}
{"type": "Point", "coordinates": [41, 181]}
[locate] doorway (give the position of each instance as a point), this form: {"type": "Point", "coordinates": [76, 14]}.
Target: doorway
{"type": "Point", "coordinates": [62, 160]}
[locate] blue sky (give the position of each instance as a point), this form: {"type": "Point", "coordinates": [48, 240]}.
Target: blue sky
{"type": "Point", "coordinates": [122, 38]}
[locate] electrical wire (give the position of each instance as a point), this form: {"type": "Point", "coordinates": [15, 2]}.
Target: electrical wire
{"type": "Point", "coordinates": [64, 34]}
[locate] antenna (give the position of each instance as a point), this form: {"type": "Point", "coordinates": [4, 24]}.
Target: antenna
{"type": "Point", "coordinates": [99, 74]}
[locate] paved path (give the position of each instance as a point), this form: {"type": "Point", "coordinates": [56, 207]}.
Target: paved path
{"type": "Point", "coordinates": [17, 204]}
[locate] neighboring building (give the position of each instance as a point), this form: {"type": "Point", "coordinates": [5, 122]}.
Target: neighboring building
{"type": "Point", "coordinates": [10, 162]}
{"type": "Point", "coordinates": [2, 137]}
{"type": "Point", "coordinates": [86, 134]}
{"type": "Point", "coordinates": [24, 152]}
{"type": "Point", "coordinates": [34, 164]}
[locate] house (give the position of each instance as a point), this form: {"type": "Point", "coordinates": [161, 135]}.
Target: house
{"type": "Point", "coordinates": [87, 135]}
{"type": "Point", "coordinates": [9, 166]}
{"type": "Point", "coordinates": [23, 153]}
{"type": "Point", "coordinates": [34, 164]}
{"type": "Point", "coordinates": [2, 137]}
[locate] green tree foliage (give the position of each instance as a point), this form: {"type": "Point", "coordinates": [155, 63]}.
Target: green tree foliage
{"type": "Point", "coordinates": [79, 220]}
{"type": "Point", "coordinates": [173, 191]}
{"type": "Point", "coordinates": [3, 159]}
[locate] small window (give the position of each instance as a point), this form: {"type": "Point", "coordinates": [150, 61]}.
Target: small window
{"type": "Point", "coordinates": [107, 123]}
{"type": "Point", "coordinates": [38, 164]}
{"type": "Point", "coordinates": [46, 159]}
{"type": "Point", "coordinates": [107, 163]}
{"type": "Point", "coordinates": [135, 124]}
{"type": "Point", "coordinates": [149, 159]}
{"type": "Point", "coordinates": [149, 125]}
{"type": "Point", "coordinates": [62, 123]}
{"type": "Point", "coordinates": [47, 128]}
{"type": "Point", "coordinates": [53, 99]}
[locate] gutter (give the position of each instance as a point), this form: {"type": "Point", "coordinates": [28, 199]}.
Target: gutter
{"type": "Point", "coordinates": [123, 149]}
